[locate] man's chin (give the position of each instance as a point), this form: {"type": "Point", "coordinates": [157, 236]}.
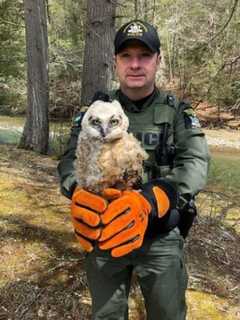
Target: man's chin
{"type": "Point", "coordinates": [135, 85]}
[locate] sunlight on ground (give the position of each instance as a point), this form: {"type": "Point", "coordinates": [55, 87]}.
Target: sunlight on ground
{"type": "Point", "coordinates": [210, 307]}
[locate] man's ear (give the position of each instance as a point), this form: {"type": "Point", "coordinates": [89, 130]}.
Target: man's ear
{"type": "Point", "coordinates": [114, 62]}
{"type": "Point", "coordinates": [159, 59]}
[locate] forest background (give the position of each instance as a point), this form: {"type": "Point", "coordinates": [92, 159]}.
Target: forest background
{"type": "Point", "coordinates": [200, 48]}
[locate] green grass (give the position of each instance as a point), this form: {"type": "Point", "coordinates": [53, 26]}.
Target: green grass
{"type": "Point", "coordinates": [225, 171]}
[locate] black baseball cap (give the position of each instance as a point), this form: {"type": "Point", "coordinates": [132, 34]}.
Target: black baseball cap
{"type": "Point", "coordinates": [137, 30]}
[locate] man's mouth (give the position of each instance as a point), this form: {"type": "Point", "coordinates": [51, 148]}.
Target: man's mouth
{"type": "Point", "coordinates": [135, 76]}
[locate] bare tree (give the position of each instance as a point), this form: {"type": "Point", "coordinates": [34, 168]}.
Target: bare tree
{"type": "Point", "coordinates": [145, 10]}
{"type": "Point", "coordinates": [36, 130]}
{"type": "Point", "coordinates": [140, 9]}
{"type": "Point", "coordinates": [98, 54]}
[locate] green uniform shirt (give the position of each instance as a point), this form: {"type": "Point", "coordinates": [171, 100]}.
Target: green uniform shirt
{"type": "Point", "coordinates": [160, 116]}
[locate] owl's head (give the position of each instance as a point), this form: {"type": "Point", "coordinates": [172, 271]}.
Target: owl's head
{"type": "Point", "coordinates": [105, 121]}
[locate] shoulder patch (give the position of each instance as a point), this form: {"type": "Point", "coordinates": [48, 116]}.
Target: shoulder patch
{"type": "Point", "coordinates": [190, 119]}
{"type": "Point", "coordinates": [190, 112]}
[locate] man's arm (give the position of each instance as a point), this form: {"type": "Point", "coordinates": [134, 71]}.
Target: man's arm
{"type": "Point", "coordinates": [191, 161]}
{"type": "Point", "coordinates": [188, 175]}
{"type": "Point", "coordinates": [65, 167]}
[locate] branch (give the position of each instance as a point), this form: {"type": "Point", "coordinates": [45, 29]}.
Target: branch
{"type": "Point", "coordinates": [225, 64]}
{"type": "Point", "coordinates": [48, 12]}
{"type": "Point", "coordinates": [227, 22]}
{"type": "Point", "coordinates": [11, 23]}
{"type": "Point", "coordinates": [117, 3]}
{"type": "Point", "coordinates": [203, 46]}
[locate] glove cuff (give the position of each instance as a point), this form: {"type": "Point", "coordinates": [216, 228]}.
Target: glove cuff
{"type": "Point", "coordinates": [162, 194]}
{"type": "Point", "coordinates": [170, 189]}
{"type": "Point", "coordinates": [162, 200]}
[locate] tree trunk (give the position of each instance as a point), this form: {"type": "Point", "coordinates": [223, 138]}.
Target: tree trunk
{"type": "Point", "coordinates": [99, 49]}
{"type": "Point", "coordinates": [36, 130]}
{"type": "Point", "coordinates": [140, 9]}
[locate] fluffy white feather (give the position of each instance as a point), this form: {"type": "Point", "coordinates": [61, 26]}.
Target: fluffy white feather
{"type": "Point", "coordinates": [107, 155]}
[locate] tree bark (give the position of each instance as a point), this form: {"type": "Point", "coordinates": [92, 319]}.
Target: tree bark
{"type": "Point", "coordinates": [36, 130]}
{"type": "Point", "coordinates": [140, 9]}
{"type": "Point", "coordinates": [99, 49]}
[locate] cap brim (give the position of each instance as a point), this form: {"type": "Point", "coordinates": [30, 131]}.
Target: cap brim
{"type": "Point", "coordinates": [126, 41]}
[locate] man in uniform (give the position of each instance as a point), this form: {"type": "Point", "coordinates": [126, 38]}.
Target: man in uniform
{"type": "Point", "coordinates": [142, 230]}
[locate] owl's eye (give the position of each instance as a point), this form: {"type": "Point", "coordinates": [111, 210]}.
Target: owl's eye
{"type": "Point", "coordinates": [114, 122]}
{"type": "Point", "coordinates": [95, 122]}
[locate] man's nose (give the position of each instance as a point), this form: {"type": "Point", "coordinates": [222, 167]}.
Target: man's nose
{"type": "Point", "coordinates": [135, 63]}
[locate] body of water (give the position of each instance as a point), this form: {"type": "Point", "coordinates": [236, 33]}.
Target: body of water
{"type": "Point", "coordinates": [11, 129]}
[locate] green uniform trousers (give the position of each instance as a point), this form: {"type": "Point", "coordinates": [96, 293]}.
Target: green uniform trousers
{"type": "Point", "coordinates": [160, 269]}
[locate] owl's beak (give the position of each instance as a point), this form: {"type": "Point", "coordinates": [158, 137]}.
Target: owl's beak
{"type": "Point", "coordinates": [102, 132]}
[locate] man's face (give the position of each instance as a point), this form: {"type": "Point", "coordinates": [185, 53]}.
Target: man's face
{"type": "Point", "coordinates": [136, 67]}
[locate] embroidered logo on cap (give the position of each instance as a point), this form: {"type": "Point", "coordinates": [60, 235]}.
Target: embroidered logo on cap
{"type": "Point", "coordinates": [135, 29]}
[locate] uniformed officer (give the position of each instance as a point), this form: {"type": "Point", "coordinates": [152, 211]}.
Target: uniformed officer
{"type": "Point", "coordinates": [148, 237]}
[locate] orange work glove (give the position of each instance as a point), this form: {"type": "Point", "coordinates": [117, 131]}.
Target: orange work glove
{"type": "Point", "coordinates": [125, 220]}
{"type": "Point", "coordinates": [85, 212]}
{"type": "Point", "coordinates": [161, 194]}
{"type": "Point", "coordinates": [163, 197]}
{"type": "Point", "coordinates": [111, 193]}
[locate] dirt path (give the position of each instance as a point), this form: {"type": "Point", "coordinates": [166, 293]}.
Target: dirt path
{"type": "Point", "coordinates": [223, 138]}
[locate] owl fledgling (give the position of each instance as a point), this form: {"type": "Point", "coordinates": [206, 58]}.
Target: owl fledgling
{"type": "Point", "coordinates": [107, 155]}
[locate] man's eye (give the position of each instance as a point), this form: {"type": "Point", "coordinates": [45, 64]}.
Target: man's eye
{"type": "Point", "coordinates": [125, 55]}
{"type": "Point", "coordinates": [146, 55]}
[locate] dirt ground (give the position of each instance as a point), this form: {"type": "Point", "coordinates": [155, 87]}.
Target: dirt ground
{"type": "Point", "coordinates": [42, 267]}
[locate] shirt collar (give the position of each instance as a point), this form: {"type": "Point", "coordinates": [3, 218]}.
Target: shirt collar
{"type": "Point", "coordinates": [139, 105]}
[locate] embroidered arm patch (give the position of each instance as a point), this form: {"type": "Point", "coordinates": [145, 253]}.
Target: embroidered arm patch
{"type": "Point", "coordinates": [190, 119]}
